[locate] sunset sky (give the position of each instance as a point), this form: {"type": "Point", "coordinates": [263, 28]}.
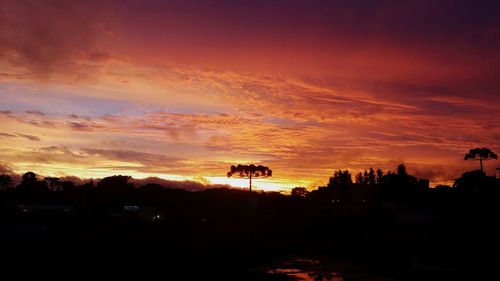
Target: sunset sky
{"type": "Point", "coordinates": [182, 90]}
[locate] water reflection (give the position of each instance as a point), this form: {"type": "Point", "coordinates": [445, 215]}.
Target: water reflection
{"type": "Point", "coordinates": [314, 270]}
{"type": "Point", "coordinates": [305, 269]}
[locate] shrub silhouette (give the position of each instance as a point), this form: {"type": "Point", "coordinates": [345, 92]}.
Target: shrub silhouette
{"type": "Point", "coordinates": [31, 184]}
{"type": "Point", "coordinates": [5, 181]}
{"type": "Point", "coordinates": [299, 192]}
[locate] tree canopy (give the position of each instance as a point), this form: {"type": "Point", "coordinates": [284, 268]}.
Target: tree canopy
{"type": "Point", "coordinates": [480, 154]}
{"type": "Point", "coordinates": [250, 171]}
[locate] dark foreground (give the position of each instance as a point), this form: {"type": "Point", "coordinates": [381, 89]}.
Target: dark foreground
{"type": "Point", "coordinates": [237, 235]}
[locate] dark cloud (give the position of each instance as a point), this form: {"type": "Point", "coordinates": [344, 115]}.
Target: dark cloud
{"type": "Point", "coordinates": [80, 126]}
{"type": "Point", "coordinates": [49, 36]}
{"type": "Point", "coordinates": [28, 137]}
{"type": "Point", "coordinates": [7, 135]}
{"type": "Point", "coordinates": [149, 159]}
{"type": "Point", "coordinates": [57, 153]}
{"type": "Point", "coordinates": [75, 116]}
{"type": "Point", "coordinates": [6, 113]}
{"type": "Point", "coordinates": [35, 112]}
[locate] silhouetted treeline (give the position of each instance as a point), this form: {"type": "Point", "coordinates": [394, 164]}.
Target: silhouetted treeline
{"type": "Point", "coordinates": [391, 222]}
{"type": "Point", "coordinates": [368, 187]}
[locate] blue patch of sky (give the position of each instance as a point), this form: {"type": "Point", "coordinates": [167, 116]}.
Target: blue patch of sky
{"type": "Point", "coordinates": [21, 97]}
{"type": "Point", "coordinates": [16, 96]}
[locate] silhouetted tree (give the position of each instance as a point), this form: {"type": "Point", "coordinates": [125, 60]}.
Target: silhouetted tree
{"type": "Point", "coordinates": [87, 186]}
{"type": "Point", "coordinates": [399, 184]}
{"type": "Point", "coordinates": [56, 184]}
{"type": "Point", "coordinates": [300, 192]}
{"type": "Point", "coordinates": [340, 178]}
{"type": "Point", "coordinates": [339, 185]}
{"type": "Point", "coordinates": [66, 185]}
{"type": "Point", "coordinates": [380, 174]}
{"type": "Point", "coordinates": [475, 181]}
{"type": "Point", "coordinates": [30, 183]}
{"type": "Point", "coordinates": [151, 187]}
{"type": "Point", "coordinates": [366, 178]}
{"type": "Point", "coordinates": [402, 170]}
{"type": "Point", "coordinates": [370, 177]}
{"type": "Point", "coordinates": [5, 181]}
{"type": "Point", "coordinates": [249, 172]}
{"type": "Point", "coordinates": [53, 183]}
{"type": "Point", "coordinates": [359, 178]}
{"type": "Point", "coordinates": [28, 178]}
{"type": "Point", "coordinates": [116, 183]}
{"type": "Point", "coordinates": [480, 154]}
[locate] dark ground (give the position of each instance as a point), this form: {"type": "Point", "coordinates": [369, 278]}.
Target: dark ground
{"type": "Point", "coordinates": [236, 235]}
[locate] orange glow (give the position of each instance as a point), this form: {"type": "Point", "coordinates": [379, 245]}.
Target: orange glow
{"type": "Point", "coordinates": [119, 89]}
